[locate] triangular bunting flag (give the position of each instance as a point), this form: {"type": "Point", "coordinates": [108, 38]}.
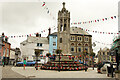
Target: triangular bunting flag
{"type": "Point", "coordinates": [111, 17]}
{"type": "Point", "coordinates": [43, 4]}
{"type": "Point", "coordinates": [114, 16]}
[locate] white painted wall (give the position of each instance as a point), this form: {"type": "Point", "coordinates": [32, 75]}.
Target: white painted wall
{"type": "Point", "coordinates": [28, 49]}
{"type": "Point", "coordinates": [12, 54]}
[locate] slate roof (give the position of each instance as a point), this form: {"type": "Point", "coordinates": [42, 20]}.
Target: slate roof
{"type": "Point", "coordinates": [76, 30]}
{"type": "Point", "coordinates": [34, 39]}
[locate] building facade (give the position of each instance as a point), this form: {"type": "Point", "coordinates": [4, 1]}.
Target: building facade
{"type": "Point", "coordinates": [71, 40]}
{"type": "Point", "coordinates": [33, 43]}
{"type": "Point", "coordinates": [115, 50]}
{"type": "Point", "coordinates": [12, 56]}
{"type": "Point", "coordinates": [53, 43]}
{"type": "Point", "coordinates": [80, 41]}
{"type": "Point", "coordinates": [104, 55]}
{"type": "Point", "coordinates": [63, 41]}
{"type": "Point", "coordinates": [5, 49]}
{"type": "Point", "coordinates": [1, 50]}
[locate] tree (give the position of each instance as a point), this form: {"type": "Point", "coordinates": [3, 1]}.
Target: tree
{"type": "Point", "coordinates": [48, 54]}
{"type": "Point", "coordinates": [92, 54]}
{"type": "Point", "coordinates": [58, 51]}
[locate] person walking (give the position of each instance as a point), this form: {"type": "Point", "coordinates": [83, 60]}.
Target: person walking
{"type": "Point", "coordinates": [3, 63]}
{"type": "Point", "coordinates": [24, 63]}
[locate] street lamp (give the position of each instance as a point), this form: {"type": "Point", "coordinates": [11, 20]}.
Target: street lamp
{"type": "Point", "coordinates": [58, 51]}
{"type": "Point", "coordinates": [37, 53]}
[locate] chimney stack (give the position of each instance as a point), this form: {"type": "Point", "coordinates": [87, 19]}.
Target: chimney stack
{"type": "Point", "coordinates": [40, 35]}
{"type": "Point", "coordinates": [37, 35]}
{"type": "Point", "coordinates": [3, 37]}
{"type": "Point", "coordinates": [49, 31]}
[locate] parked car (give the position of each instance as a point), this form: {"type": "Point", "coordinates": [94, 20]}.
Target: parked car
{"type": "Point", "coordinates": [19, 64]}
{"type": "Point", "coordinates": [103, 68]}
{"type": "Point", "coordinates": [28, 63]}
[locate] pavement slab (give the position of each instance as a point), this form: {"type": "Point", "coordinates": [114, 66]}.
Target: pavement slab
{"type": "Point", "coordinates": [30, 72]}
{"type": "Point", "coordinates": [7, 72]}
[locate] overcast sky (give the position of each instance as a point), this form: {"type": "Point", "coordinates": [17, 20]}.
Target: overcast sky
{"type": "Point", "coordinates": [20, 17]}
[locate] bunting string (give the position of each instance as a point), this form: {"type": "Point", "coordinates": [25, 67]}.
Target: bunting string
{"type": "Point", "coordinates": [94, 21]}
{"type": "Point", "coordinates": [99, 32]}
{"type": "Point", "coordinates": [48, 10]}
{"type": "Point", "coordinates": [102, 43]}
{"type": "Point", "coordinates": [19, 36]}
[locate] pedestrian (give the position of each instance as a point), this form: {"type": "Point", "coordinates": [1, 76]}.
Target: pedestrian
{"type": "Point", "coordinates": [3, 63]}
{"type": "Point", "coordinates": [24, 63]}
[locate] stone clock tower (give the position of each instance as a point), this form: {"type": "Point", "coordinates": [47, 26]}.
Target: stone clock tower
{"type": "Point", "coordinates": [63, 41]}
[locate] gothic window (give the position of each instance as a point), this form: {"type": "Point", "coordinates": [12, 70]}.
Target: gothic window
{"type": "Point", "coordinates": [64, 27]}
{"type": "Point", "coordinates": [60, 40]}
{"type": "Point", "coordinates": [60, 20]}
{"type": "Point", "coordinates": [103, 53]}
{"type": "Point", "coordinates": [61, 28]}
{"type": "Point", "coordinates": [71, 37]}
{"type": "Point", "coordinates": [65, 20]}
{"type": "Point", "coordinates": [78, 38]}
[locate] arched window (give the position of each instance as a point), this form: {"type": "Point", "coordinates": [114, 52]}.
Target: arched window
{"type": "Point", "coordinates": [72, 44]}
{"type": "Point", "coordinates": [79, 44]}
{"type": "Point", "coordinates": [61, 28]}
{"type": "Point", "coordinates": [64, 27]}
{"type": "Point", "coordinates": [86, 44]}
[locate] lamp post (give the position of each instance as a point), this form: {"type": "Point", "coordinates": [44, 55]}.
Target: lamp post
{"type": "Point", "coordinates": [58, 51]}
{"type": "Point", "coordinates": [37, 53]}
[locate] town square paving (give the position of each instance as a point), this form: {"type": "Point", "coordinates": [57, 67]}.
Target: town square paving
{"type": "Point", "coordinates": [0, 72]}
{"type": "Point", "coordinates": [18, 73]}
{"type": "Point", "coordinates": [7, 72]}
{"type": "Point", "coordinates": [31, 72]}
